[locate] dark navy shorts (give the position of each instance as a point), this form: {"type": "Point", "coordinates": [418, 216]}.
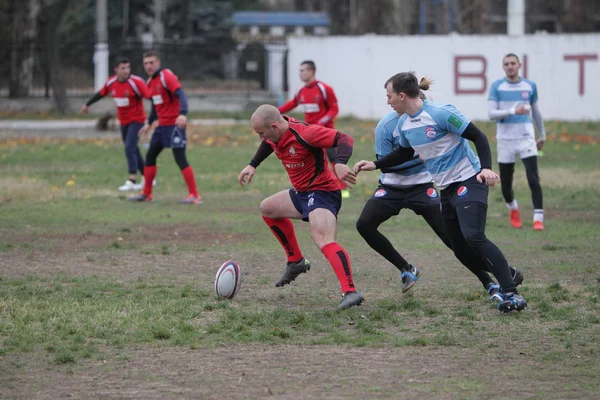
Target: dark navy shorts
{"type": "Point", "coordinates": [305, 202]}
{"type": "Point", "coordinates": [462, 192]}
{"type": "Point", "coordinates": [169, 136]}
{"type": "Point", "coordinates": [416, 198]}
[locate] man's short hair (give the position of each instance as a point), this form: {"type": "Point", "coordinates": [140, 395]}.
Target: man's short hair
{"type": "Point", "coordinates": [310, 64]}
{"type": "Point", "coordinates": [121, 60]}
{"type": "Point", "coordinates": [151, 53]}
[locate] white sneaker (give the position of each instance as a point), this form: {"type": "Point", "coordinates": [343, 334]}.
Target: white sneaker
{"type": "Point", "coordinates": [129, 185]}
{"type": "Point", "coordinates": [143, 182]}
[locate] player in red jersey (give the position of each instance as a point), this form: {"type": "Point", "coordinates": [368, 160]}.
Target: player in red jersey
{"type": "Point", "coordinates": [320, 106]}
{"type": "Point", "coordinates": [128, 92]}
{"type": "Point", "coordinates": [315, 196]}
{"type": "Point", "coordinates": [168, 119]}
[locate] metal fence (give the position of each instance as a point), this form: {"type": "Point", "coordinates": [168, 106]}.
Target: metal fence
{"type": "Point", "coordinates": [199, 67]}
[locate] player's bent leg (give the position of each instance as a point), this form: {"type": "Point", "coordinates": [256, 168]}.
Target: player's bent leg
{"type": "Point", "coordinates": [471, 217]}
{"type": "Point", "coordinates": [464, 253]}
{"type": "Point", "coordinates": [277, 211]}
{"type": "Point", "coordinates": [279, 205]}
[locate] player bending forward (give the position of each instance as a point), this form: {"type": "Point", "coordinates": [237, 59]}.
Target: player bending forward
{"type": "Point", "coordinates": [315, 196]}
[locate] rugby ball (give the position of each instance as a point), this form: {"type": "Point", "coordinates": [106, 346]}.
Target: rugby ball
{"type": "Point", "coordinates": [228, 280]}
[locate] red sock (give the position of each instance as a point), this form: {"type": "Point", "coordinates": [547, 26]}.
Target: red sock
{"type": "Point", "coordinates": [340, 262]}
{"type": "Point", "coordinates": [190, 181]}
{"type": "Point", "coordinates": [149, 175]}
{"type": "Point", "coordinates": [283, 229]}
{"type": "Point", "coordinates": [342, 184]}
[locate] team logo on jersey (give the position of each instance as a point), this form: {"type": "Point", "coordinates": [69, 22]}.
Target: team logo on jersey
{"type": "Point", "coordinates": [430, 132]}
{"type": "Point", "coordinates": [431, 193]}
{"type": "Point", "coordinates": [462, 191]}
{"type": "Point", "coordinates": [292, 150]}
{"type": "Point", "coordinates": [114, 93]}
{"type": "Point", "coordinates": [525, 95]}
{"type": "Point", "coordinates": [380, 193]}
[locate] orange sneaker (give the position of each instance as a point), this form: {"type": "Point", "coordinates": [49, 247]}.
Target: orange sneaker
{"type": "Point", "coordinates": [515, 218]}
{"type": "Point", "coordinates": [191, 199]}
{"type": "Point", "coordinates": [538, 226]}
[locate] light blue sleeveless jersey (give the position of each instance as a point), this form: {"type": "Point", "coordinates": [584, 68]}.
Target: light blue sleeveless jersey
{"type": "Point", "coordinates": [509, 95]}
{"type": "Point", "coordinates": [387, 139]}
{"type": "Point", "coordinates": [435, 133]}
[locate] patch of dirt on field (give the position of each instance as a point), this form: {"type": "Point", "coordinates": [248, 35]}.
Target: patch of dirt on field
{"type": "Point", "coordinates": [291, 372]}
{"type": "Point", "coordinates": [174, 250]}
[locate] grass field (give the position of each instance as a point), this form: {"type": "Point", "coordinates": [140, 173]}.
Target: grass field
{"type": "Point", "coordinates": [102, 298]}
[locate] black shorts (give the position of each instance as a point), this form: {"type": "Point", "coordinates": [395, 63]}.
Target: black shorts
{"type": "Point", "coordinates": [305, 202]}
{"type": "Point", "coordinates": [462, 192]}
{"type": "Point", "coordinates": [416, 198]}
{"type": "Point", "coordinates": [169, 136]}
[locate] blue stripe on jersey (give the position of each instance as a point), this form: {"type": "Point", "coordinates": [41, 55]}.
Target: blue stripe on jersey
{"type": "Point", "coordinates": [435, 133]}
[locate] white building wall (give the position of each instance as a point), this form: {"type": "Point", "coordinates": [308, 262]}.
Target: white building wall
{"type": "Point", "coordinates": [566, 69]}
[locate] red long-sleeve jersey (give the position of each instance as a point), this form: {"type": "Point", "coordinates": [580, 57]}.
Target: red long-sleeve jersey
{"type": "Point", "coordinates": [301, 151]}
{"type": "Point", "coordinates": [128, 96]}
{"type": "Point", "coordinates": [318, 101]}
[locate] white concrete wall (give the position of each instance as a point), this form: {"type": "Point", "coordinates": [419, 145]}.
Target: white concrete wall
{"type": "Point", "coordinates": [566, 69]}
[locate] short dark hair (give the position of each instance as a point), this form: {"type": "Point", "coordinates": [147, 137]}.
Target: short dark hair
{"type": "Point", "coordinates": [121, 60]}
{"type": "Point", "coordinates": [310, 64]}
{"type": "Point", "coordinates": [407, 82]}
{"type": "Point", "coordinates": [512, 55]}
{"type": "Point", "coordinates": [150, 53]}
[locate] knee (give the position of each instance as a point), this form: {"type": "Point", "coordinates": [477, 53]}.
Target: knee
{"type": "Point", "coordinates": [476, 239]}
{"type": "Point", "coordinates": [266, 208]}
{"type": "Point", "coordinates": [364, 227]}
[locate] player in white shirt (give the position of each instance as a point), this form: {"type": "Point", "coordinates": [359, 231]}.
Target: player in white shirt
{"type": "Point", "coordinates": [510, 102]}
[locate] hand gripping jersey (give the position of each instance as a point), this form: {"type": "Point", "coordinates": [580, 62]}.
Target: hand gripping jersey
{"type": "Point", "coordinates": [318, 101]}
{"type": "Point", "coordinates": [163, 85]}
{"type": "Point", "coordinates": [301, 151]}
{"type": "Point", "coordinates": [508, 95]}
{"type": "Point", "coordinates": [387, 139]}
{"type": "Point", "coordinates": [435, 133]}
{"type": "Point", "coordinates": [128, 96]}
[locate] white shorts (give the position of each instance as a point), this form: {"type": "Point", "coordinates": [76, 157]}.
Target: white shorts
{"type": "Point", "coordinates": [508, 149]}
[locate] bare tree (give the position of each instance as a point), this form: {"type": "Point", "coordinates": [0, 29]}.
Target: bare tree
{"type": "Point", "coordinates": [53, 12]}
{"type": "Point", "coordinates": [23, 35]}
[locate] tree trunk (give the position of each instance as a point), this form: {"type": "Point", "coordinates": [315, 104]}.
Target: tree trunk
{"type": "Point", "coordinates": [24, 32]}
{"type": "Point", "coordinates": [54, 11]}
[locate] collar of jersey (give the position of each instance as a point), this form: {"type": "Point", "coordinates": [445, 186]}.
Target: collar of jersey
{"type": "Point", "coordinates": [156, 73]}
{"type": "Point", "coordinates": [420, 111]}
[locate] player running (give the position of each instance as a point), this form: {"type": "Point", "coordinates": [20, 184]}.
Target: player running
{"type": "Point", "coordinates": [509, 103]}
{"type": "Point", "coordinates": [320, 107]}
{"type": "Point", "coordinates": [168, 119]}
{"type": "Point", "coordinates": [315, 195]}
{"type": "Point", "coordinates": [128, 92]}
{"type": "Point", "coordinates": [439, 133]}
{"type": "Point", "coordinates": [409, 186]}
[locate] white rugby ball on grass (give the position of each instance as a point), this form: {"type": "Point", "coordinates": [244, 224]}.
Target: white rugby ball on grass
{"type": "Point", "coordinates": [228, 280]}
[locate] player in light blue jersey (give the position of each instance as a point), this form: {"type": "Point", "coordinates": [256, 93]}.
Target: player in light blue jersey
{"type": "Point", "coordinates": [510, 101]}
{"type": "Point", "coordinates": [439, 134]}
{"type": "Point", "coordinates": [409, 186]}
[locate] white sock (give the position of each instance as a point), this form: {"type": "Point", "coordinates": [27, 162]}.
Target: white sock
{"type": "Point", "coordinates": [513, 205]}
{"type": "Point", "coordinates": [538, 215]}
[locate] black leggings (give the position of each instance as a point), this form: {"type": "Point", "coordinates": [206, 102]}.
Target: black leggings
{"type": "Point", "coordinates": [533, 179]}
{"type": "Point", "coordinates": [178, 154]}
{"type": "Point", "coordinates": [467, 235]}
{"type": "Point", "coordinates": [374, 214]}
